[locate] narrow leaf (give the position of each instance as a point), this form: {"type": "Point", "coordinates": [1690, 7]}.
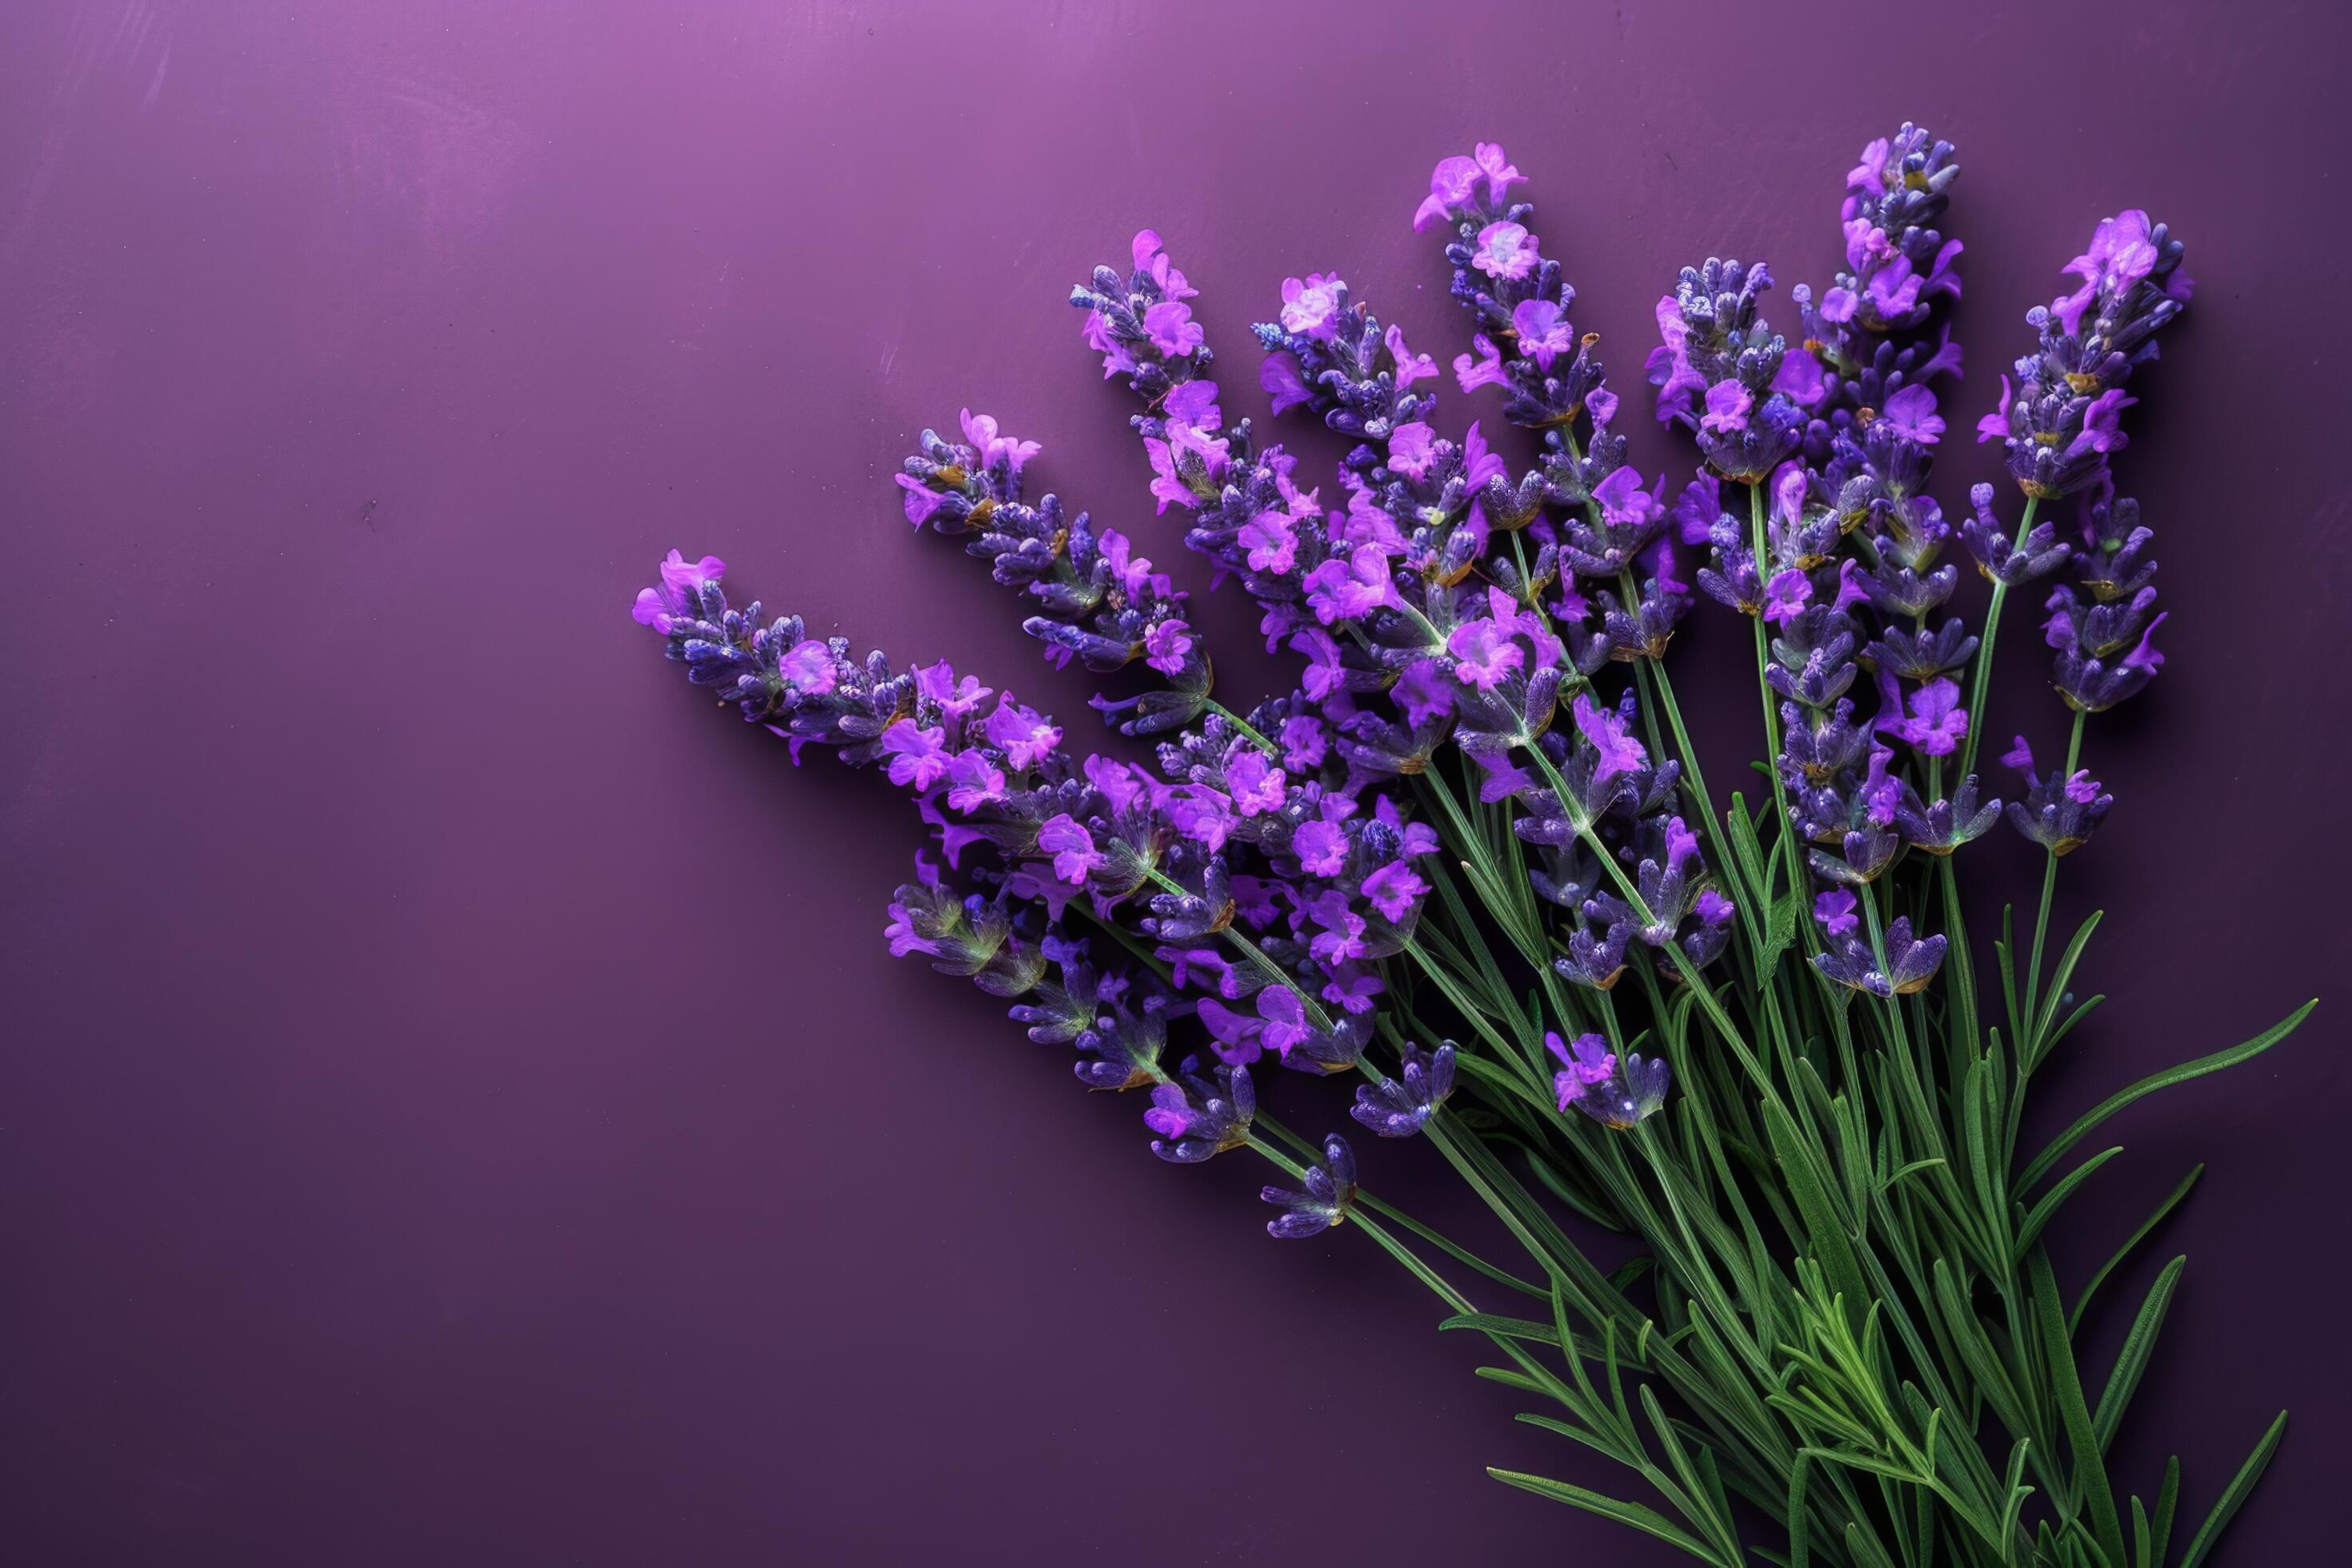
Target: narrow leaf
{"type": "Point", "coordinates": [2132, 1360]}
{"type": "Point", "coordinates": [1507, 1328]}
{"type": "Point", "coordinates": [2090, 1470]}
{"type": "Point", "coordinates": [2165, 1080]}
{"type": "Point", "coordinates": [1648, 1520]}
{"type": "Point", "coordinates": [2075, 1321]}
{"type": "Point", "coordinates": [2047, 1206]}
{"type": "Point", "coordinates": [2234, 1497]}
{"type": "Point", "coordinates": [1825, 1233]}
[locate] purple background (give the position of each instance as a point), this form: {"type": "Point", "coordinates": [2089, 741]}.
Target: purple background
{"type": "Point", "coordinates": [456, 1103]}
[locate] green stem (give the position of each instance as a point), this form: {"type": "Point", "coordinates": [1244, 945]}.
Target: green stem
{"type": "Point", "coordinates": [1983, 681]}
{"type": "Point", "coordinates": [2028, 1046]}
{"type": "Point", "coordinates": [1238, 723]}
{"type": "Point", "coordinates": [1771, 713]}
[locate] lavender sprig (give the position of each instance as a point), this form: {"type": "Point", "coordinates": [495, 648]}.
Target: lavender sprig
{"type": "Point", "coordinates": [2063, 422]}
{"type": "Point", "coordinates": [1098, 599]}
{"type": "Point", "coordinates": [1262, 888]}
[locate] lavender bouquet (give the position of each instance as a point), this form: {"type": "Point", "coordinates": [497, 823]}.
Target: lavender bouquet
{"type": "Point", "coordinates": [1470, 863]}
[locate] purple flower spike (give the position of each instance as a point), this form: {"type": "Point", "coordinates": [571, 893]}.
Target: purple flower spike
{"type": "Point", "coordinates": [1587, 1062]}
{"type": "Point", "coordinates": [1330, 1192]}
{"type": "Point", "coordinates": [1616, 752]}
{"type": "Point", "coordinates": [2062, 420]}
{"type": "Point", "coordinates": [2059, 813]}
{"type": "Point", "coordinates": [1718, 366]}
{"type": "Point", "coordinates": [1911, 964]}
{"type": "Point", "coordinates": [1398, 1108]}
{"type": "Point", "coordinates": [1639, 1089]}
{"type": "Point", "coordinates": [2104, 639]}
{"type": "Point", "coordinates": [680, 592]}
{"type": "Point", "coordinates": [1199, 1118]}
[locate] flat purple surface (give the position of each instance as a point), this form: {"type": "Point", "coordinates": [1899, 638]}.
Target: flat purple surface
{"type": "Point", "coordinates": [455, 1102]}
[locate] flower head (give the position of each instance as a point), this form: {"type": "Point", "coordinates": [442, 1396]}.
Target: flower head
{"type": "Point", "coordinates": [682, 582]}
{"type": "Point", "coordinates": [1025, 736]}
{"type": "Point", "coordinates": [1586, 1062]}
{"type": "Point", "coordinates": [1505, 250]}
{"type": "Point", "coordinates": [1329, 1192]}
{"type": "Point", "coordinates": [1400, 1107]}
{"type": "Point", "coordinates": [1308, 305]}
{"type": "Point", "coordinates": [1197, 1118]}
{"type": "Point", "coordinates": [1072, 846]}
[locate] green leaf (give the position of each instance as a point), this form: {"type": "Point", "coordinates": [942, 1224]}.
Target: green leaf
{"type": "Point", "coordinates": [2132, 1360]}
{"type": "Point", "coordinates": [2047, 1206]}
{"type": "Point", "coordinates": [1780, 935]}
{"type": "Point", "coordinates": [2075, 1319]}
{"type": "Point", "coordinates": [2090, 1474]}
{"type": "Point", "coordinates": [1874, 1466]}
{"type": "Point", "coordinates": [2165, 1079]}
{"type": "Point", "coordinates": [2051, 1039]}
{"type": "Point", "coordinates": [2006, 951]}
{"type": "Point", "coordinates": [1825, 1233]}
{"type": "Point", "coordinates": [1694, 1481]}
{"type": "Point", "coordinates": [1647, 1520]}
{"type": "Point", "coordinates": [2233, 1497]}
{"type": "Point", "coordinates": [1801, 1523]}
{"type": "Point", "coordinates": [1507, 1328]}
{"type": "Point", "coordinates": [2167, 1498]}
{"type": "Point", "coordinates": [1569, 1429]}
{"type": "Point", "coordinates": [1893, 1179]}
{"type": "Point", "coordinates": [1741, 828]}
{"type": "Point", "coordinates": [1977, 1353]}
{"type": "Point", "coordinates": [2014, 1489]}
{"type": "Point", "coordinates": [2057, 993]}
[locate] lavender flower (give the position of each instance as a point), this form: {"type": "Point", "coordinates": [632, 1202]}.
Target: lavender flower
{"type": "Point", "coordinates": [1333, 355]}
{"type": "Point", "coordinates": [1520, 305]}
{"type": "Point", "coordinates": [1099, 599]}
{"type": "Point", "coordinates": [1259, 881]}
{"type": "Point", "coordinates": [1715, 368]}
{"type": "Point", "coordinates": [1399, 1107]}
{"type": "Point", "coordinates": [2105, 644]}
{"type": "Point", "coordinates": [2060, 424]}
{"type": "Point", "coordinates": [1199, 1118]}
{"type": "Point", "coordinates": [1330, 1193]}
{"type": "Point", "coordinates": [1586, 1064]}
{"type": "Point", "coordinates": [1898, 262]}
{"type": "Point", "coordinates": [1619, 1093]}
{"type": "Point", "coordinates": [1911, 964]}
{"type": "Point", "coordinates": [2060, 812]}
{"type": "Point", "coordinates": [954, 487]}
{"type": "Point", "coordinates": [2011, 562]}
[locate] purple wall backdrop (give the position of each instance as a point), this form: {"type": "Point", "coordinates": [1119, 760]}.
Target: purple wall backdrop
{"type": "Point", "coordinates": [456, 1104]}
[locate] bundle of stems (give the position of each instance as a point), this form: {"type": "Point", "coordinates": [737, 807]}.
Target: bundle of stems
{"type": "Point", "coordinates": [1454, 865]}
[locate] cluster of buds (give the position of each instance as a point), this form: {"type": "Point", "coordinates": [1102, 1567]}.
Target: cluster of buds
{"type": "Point", "coordinates": [2063, 421]}
{"type": "Point", "coordinates": [1097, 598]}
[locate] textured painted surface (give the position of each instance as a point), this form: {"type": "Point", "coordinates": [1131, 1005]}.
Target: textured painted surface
{"type": "Point", "coordinates": [455, 1104]}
